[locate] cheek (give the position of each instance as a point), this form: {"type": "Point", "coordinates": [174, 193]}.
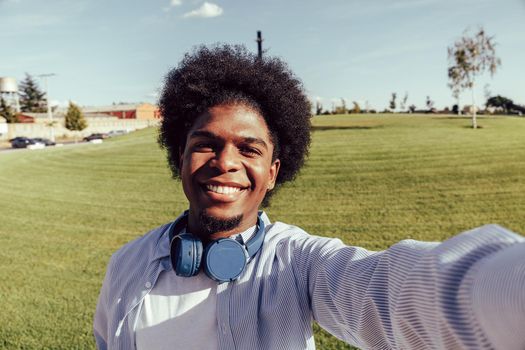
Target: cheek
{"type": "Point", "coordinates": [260, 174]}
{"type": "Point", "coordinates": [188, 170]}
{"type": "Point", "coordinates": [193, 162]}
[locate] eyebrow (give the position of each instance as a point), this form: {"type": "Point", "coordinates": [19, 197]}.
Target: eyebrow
{"type": "Point", "coordinates": [210, 135]}
{"type": "Point", "coordinates": [198, 133]}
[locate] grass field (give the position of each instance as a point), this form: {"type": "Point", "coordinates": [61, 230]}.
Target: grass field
{"type": "Point", "coordinates": [371, 180]}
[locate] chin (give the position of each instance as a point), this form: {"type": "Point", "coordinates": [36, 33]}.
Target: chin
{"type": "Point", "coordinates": [221, 213]}
{"type": "Point", "coordinates": [212, 223]}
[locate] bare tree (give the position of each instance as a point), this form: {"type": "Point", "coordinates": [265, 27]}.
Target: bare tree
{"type": "Point", "coordinates": [469, 57]}
{"type": "Point", "coordinates": [392, 103]}
{"type": "Point", "coordinates": [318, 107]}
{"type": "Point", "coordinates": [430, 104]}
{"type": "Point", "coordinates": [356, 108]}
{"type": "Point", "coordinates": [404, 102]}
{"type": "Point", "coordinates": [343, 106]}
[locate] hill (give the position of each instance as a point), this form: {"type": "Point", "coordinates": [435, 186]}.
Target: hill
{"type": "Point", "coordinates": [371, 180]}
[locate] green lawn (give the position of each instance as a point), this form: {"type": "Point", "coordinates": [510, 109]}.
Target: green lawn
{"type": "Point", "coordinates": [371, 180]}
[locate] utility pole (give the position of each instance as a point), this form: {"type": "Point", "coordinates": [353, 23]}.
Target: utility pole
{"type": "Point", "coordinates": [49, 112]}
{"type": "Point", "coordinates": [259, 43]}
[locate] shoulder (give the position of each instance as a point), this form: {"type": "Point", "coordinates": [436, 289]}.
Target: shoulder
{"type": "Point", "coordinates": [282, 233]}
{"type": "Point", "coordinates": [291, 237]}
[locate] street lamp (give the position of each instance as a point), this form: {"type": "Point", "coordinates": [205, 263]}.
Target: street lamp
{"type": "Point", "coordinates": [49, 113]}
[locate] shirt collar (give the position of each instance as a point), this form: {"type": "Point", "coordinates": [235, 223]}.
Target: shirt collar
{"type": "Point", "coordinates": [244, 236]}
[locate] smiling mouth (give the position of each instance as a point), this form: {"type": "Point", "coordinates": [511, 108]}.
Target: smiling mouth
{"type": "Point", "coordinates": [224, 189]}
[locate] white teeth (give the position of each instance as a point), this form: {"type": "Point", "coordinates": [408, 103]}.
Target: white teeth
{"type": "Point", "coordinates": [223, 189]}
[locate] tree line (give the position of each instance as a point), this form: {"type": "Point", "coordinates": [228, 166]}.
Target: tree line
{"type": "Point", "coordinates": [500, 104]}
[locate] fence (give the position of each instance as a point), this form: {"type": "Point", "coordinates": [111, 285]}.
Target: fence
{"type": "Point", "coordinates": [94, 126]}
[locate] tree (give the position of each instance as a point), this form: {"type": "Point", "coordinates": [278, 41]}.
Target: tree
{"type": "Point", "coordinates": [7, 111]}
{"type": "Point", "coordinates": [32, 99]}
{"type": "Point", "coordinates": [429, 103]}
{"type": "Point", "coordinates": [343, 106]}
{"type": "Point", "coordinates": [393, 101]}
{"type": "Point", "coordinates": [74, 118]}
{"type": "Point", "coordinates": [318, 107]}
{"type": "Point", "coordinates": [470, 57]}
{"type": "Point", "coordinates": [411, 108]}
{"type": "Point", "coordinates": [500, 102]}
{"type": "Point", "coordinates": [340, 109]}
{"type": "Point", "coordinates": [356, 108]}
{"type": "Point", "coordinates": [404, 102]}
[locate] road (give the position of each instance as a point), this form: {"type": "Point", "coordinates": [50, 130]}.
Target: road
{"type": "Point", "coordinates": [8, 149]}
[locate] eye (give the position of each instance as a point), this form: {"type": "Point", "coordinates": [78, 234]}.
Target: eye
{"type": "Point", "coordinates": [203, 147]}
{"type": "Point", "coordinates": [249, 151]}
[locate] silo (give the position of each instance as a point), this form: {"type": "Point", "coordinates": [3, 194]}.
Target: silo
{"type": "Point", "coordinates": [9, 91]}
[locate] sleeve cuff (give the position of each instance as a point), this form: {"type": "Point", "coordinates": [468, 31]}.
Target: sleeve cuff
{"type": "Point", "coordinates": [498, 297]}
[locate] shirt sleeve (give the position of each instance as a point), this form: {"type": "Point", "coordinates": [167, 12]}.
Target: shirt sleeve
{"type": "Point", "coordinates": [498, 297]}
{"type": "Point", "coordinates": [100, 323]}
{"type": "Point", "coordinates": [465, 293]}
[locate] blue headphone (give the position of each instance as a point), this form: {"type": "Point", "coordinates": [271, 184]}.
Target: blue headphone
{"type": "Point", "coordinates": [223, 260]}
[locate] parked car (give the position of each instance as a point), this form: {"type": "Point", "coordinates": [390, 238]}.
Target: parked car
{"type": "Point", "coordinates": [114, 133]}
{"type": "Point", "coordinates": [46, 142]}
{"type": "Point", "coordinates": [23, 142]}
{"type": "Point", "coordinates": [97, 136]}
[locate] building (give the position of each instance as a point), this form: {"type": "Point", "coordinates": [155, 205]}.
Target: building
{"type": "Point", "coordinates": [58, 117]}
{"type": "Point", "coordinates": [141, 111]}
{"type": "Point", "coordinates": [144, 111]}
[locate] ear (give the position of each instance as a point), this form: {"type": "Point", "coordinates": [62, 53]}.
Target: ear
{"type": "Point", "coordinates": [272, 176]}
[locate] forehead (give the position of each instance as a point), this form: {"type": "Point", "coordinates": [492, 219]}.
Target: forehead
{"type": "Point", "coordinates": [232, 120]}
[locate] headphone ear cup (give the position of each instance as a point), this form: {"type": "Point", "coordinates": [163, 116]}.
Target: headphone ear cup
{"type": "Point", "coordinates": [186, 254]}
{"type": "Point", "coordinates": [224, 260]}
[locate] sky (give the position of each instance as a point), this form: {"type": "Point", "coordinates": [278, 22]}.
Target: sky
{"type": "Point", "coordinates": [358, 50]}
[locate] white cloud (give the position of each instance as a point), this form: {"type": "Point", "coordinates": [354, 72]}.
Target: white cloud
{"type": "Point", "coordinates": [173, 3]}
{"type": "Point", "coordinates": [207, 10]}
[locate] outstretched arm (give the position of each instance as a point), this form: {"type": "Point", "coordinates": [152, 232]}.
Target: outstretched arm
{"type": "Point", "coordinates": [467, 292]}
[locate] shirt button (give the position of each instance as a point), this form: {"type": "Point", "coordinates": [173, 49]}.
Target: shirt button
{"type": "Point", "coordinates": [148, 285]}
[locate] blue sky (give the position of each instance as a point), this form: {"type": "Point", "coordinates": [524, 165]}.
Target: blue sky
{"type": "Point", "coordinates": [360, 50]}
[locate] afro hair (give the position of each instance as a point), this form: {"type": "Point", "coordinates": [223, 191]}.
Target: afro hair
{"type": "Point", "coordinates": [225, 74]}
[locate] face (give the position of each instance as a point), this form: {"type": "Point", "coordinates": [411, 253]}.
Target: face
{"type": "Point", "coordinates": [226, 166]}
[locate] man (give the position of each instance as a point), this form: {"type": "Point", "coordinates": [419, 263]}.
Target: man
{"type": "Point", "coordinates": [222, 276]}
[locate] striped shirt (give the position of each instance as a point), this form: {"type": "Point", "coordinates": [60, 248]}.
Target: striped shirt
{"type": "Point", "coordinates": [465, 293]}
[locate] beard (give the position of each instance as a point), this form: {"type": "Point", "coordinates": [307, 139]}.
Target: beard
{"type": "Point", "coordinates": [210, 224]}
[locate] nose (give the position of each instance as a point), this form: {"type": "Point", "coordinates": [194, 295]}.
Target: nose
{"type": "Point", "coordinates": [226, 160]}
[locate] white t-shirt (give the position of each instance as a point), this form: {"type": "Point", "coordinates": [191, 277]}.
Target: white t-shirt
{"type": "Point", "coordinates": [179, 313]}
